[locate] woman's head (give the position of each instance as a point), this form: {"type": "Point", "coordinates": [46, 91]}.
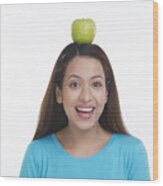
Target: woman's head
{"type": "Point", "coordinates": [83, 92]}
{"type": "Point", "coordinates": [54, 110]}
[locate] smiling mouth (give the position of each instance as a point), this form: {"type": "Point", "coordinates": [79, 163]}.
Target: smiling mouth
{"type": "Point", "coordinates": [85, 109]}
{"type": "Point", "coordinates": [85, 113]}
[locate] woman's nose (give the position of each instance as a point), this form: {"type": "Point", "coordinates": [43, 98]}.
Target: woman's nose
{"type": "Point", "coordinates": [86, 94]}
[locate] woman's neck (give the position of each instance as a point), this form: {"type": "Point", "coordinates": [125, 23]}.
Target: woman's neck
{"type": "Point", "coordinates": [83, 142]}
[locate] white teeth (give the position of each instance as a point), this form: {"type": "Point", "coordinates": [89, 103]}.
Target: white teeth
{"type": "Point", "coordinates": [85, 109]}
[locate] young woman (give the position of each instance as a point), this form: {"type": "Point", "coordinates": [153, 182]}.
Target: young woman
{"type": "Point", "coordinates": [80, 133]}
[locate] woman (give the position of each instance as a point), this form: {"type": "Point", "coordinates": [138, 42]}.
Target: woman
{"type": "Point", "coordinates": [80, 133]}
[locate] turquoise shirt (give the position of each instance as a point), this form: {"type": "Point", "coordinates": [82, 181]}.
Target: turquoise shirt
{"type": "Point", "coordinates": [123, 158]}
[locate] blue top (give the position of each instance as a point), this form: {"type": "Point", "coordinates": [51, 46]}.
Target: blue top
{"type": "Point", "coordinates": [123, 158]}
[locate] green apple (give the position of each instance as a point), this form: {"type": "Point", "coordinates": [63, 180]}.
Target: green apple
{"type": "Point", "coordinates": [83, 31]}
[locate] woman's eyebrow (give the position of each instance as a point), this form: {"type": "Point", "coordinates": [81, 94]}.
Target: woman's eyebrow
{"type": "Point", "coordinates": [97, 76]}
{"type": "Point", "coordinates": [93, 77]}
{"type": "Point", "coordinates": [74, 76]}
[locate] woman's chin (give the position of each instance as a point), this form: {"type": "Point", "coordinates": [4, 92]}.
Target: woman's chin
{"type": "Point", "coordinates": [85, 126]}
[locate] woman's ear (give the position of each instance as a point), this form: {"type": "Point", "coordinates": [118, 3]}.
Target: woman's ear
{"type": "Point", "coordinates": [58, 95]}
{"type": "Point", "coordinates": [106, 97]}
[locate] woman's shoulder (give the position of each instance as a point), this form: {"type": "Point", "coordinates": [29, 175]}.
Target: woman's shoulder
{"type": "Point", "coordinates": [128, 145]}
{"type": "Point", "coordinates": [127, 140]}
{"type": "Point", "coordinates": [41, 143]}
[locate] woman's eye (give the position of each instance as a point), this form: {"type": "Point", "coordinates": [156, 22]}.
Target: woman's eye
{"type": "Point", "coordinates": [74, 85]}
{"type": "Point", "coordinates": [97, 84]}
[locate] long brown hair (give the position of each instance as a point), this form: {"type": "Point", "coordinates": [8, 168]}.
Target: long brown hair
{"type": "Point", "coordinates": [52, 115]}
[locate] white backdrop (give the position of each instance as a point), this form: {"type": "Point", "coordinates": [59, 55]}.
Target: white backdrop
{"type": "Point", "coordinates": [33, 35]}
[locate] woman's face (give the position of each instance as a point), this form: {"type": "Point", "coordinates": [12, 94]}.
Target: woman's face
{"type": "Point", "coordinates": [83, 93]}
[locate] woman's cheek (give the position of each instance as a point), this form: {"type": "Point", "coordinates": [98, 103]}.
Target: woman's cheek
{"type": "Point", "coordinates": [70, 96]}
{"type": "Point", "coordinates": [101, 97]}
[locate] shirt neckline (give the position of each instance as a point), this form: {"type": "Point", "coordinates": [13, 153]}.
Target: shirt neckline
{"type": "Point", "coordinates": [66, 153]}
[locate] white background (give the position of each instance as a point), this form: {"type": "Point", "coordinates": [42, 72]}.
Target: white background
{"type": "Point", "coordinates": [32, 37]}
{"type": "Point", "coordinates": [17, 181]}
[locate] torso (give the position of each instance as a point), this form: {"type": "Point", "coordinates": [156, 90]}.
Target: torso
{"type": "Point", "coordinates": [123, 157]}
